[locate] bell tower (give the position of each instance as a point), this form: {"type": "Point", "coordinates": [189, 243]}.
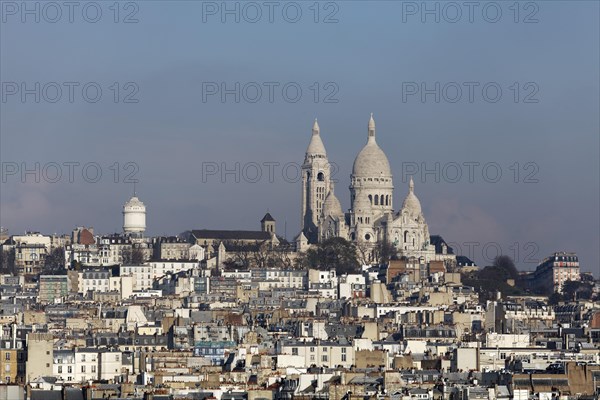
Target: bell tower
{"type": "Point", "coordinates": [315, 184]}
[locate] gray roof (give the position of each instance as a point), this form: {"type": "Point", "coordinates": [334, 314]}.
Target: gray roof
{"type": "Point", "coordinates": [230, 235]}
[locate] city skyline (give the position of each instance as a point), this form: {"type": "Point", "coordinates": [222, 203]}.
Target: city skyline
{"type": "Point", "coordinates": [167, 116]}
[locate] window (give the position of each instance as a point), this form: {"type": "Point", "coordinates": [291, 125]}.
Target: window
{"type": "Point", "coordinates": [70, 369]}
{"type": "Point", "coordinates": [60, 369]}
{"type": "Point", "coordinates": [294, 351]}
{"type": "Point", "coordinates": [93, 369]}
{"type": "Point", "coordinates": [83, 368]}
{"type": "Point", "coordinates": [7, 356]}
{"type": "Point", "coordinates": [324, 358]}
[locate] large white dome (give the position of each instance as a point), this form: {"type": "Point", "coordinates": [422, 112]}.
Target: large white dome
{"type": "Point", "coordinates": [371, 161]}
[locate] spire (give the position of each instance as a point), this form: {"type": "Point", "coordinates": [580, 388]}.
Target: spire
{"type": "Point", "coordinates": [316, 144]}
{"type": "Point", "coordinates": [411, 185]}
{"type": "Point", "coordinates": [371, 126]}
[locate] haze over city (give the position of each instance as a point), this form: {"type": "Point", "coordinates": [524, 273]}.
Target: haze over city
{"type": "Point", "coordinates": [371, 54]}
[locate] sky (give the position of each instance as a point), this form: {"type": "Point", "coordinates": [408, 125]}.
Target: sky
{"type": "Point", "coordinates": [492, 107]}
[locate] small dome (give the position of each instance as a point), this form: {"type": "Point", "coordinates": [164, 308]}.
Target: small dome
{"type": "Point", "coordinates": [316, 146]}
{"type": "Point", "coordinates": [134, 202]}
{"type": "Point", "coordinates": [411, 202]}
{"type": "Point", "coordinates": [371, 161]}
{"type": "Point", "coordinates": [332, 206]}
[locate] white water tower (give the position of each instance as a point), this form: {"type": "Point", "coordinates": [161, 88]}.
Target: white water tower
{"type": "Point", "coordinates": [134, 217]}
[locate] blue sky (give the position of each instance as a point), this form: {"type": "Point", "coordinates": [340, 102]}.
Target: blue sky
{"type": "Point", "coordinates": [373, 50]}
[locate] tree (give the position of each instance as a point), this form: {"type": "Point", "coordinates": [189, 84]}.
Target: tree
{"type": "Point", "coordinates": [7, 261]}
{"type": "Point", "coordinates": [577, 290]}
{"type": "Point", "coordinates": [334, 253]}
{"type": "Point", "coordinates": [76, 265]}
{"type": "Point", "coordinates": [506, 263]}
{"type": "Point", "coordinates": [54, 264]}
{"type": "Point", "coordinates": [363, 252]}
{"type": "Point", "coordinates": [493, 278]}
{"type": "Point", "coordinates": [386, 252]}
{"type": "Point", "coordinates": [554, 298]}
{"type": "Point", "coordinates": [132, 256]}
{"type": "Point", "coordinates": [137, 256]}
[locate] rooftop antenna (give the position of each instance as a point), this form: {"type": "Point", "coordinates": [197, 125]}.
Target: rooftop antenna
{"type": "Point", "coordinates": [134, 191]}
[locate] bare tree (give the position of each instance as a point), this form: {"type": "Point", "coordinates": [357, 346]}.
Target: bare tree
{"type": "Point", "coordinates": [137, 256]}
{"type": "Point", "coordinates": [363, 251]}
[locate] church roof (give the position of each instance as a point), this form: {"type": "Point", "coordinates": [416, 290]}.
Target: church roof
{"type": "Point", "coordinates": [316, 145]}
{"type": "Point", "coordinates": [371, 161]}
{"type": "Point", "coordinates": [438, 241]}
{"type": "Point", "coordinates": [230, 235]}
{"type": "Point", "coordinates": [267, 217]}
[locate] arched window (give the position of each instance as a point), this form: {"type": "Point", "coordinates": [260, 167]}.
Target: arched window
{"type": "Point", "coordinates": [320, 177]}
{"type": "Point", "coordinates": [376, 199]}
{"type": "Point", "coordinates": [387, 200]}
{"type": "Point", "coordinates": [405, 236]}
{"type": "Point", "coordinates": [371, 199]}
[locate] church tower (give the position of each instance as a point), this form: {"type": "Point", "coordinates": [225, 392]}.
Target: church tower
{"type": "Point", "coordinates": [315, 184]}
{"type": "Point", "coordinates": [267, 224]}
{"type": "Point", "coordinates": [371, 191]}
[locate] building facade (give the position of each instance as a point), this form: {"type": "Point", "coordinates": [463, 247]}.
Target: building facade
{"type": "Point", "coordinates": [371, 219]}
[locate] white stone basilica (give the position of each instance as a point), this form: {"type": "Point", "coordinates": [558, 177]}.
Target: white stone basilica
{"type": "Point", "coordinates": [371, 219]}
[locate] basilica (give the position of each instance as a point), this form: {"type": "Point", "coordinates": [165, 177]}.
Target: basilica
{"type": "Point", "coordinates": [371, 219]}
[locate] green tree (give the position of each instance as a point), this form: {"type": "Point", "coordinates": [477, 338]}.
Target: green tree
{"type": "Point", "coordinates": [493, 278]}
{"type": "Point", "coordinates": [335, 253]}
{"type": "Point", "coordinates": [54, 264]}
{"type": "Point", "coordinates": [577, 290]}
{"type": "Point", "coordinates": [554, 298]}
{"type": "Point", "coordinates": [506, 264]}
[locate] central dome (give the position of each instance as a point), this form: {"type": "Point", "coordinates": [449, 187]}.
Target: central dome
{"type": "Point", "coordinates": [371, 161]}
